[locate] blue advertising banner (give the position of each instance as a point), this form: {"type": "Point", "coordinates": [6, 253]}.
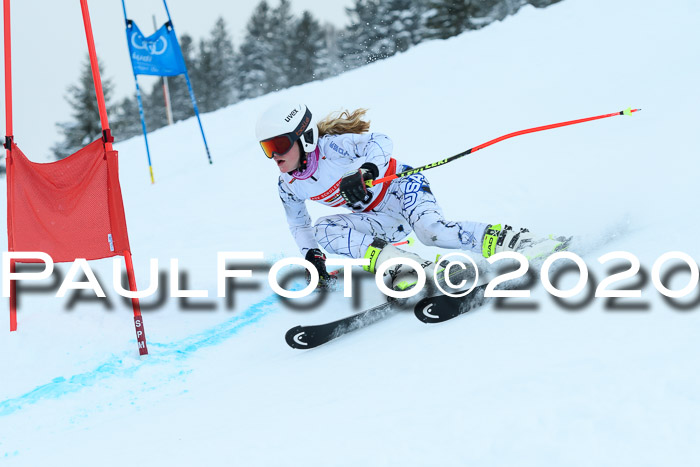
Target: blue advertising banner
{"type": "Point", "coordinates": [158, 54]}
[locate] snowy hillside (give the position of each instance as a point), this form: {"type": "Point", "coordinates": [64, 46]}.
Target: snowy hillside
{"type": "Point", "coordinates": [557, 385]}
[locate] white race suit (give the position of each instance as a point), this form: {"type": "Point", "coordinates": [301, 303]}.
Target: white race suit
{"type": "Point", "coordinates": [396, 208]}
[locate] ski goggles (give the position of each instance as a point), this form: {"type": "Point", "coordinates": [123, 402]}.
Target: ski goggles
{"type": "Point", "coordinates": [280, 145]}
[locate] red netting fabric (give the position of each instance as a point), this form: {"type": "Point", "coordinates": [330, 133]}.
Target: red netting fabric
{"type": "Point", "coordinates": [71, 208]}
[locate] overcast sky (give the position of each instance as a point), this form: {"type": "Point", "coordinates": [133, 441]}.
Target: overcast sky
{"type": "Point", "coordinates": [48, 49]}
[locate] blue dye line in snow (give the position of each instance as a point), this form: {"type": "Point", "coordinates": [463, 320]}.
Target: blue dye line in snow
{"type": "Point", "coordinates": [125, 366]}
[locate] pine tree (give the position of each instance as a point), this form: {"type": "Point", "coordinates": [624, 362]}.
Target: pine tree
{"type": "Point", "coordinates": [179, 94]}
{"type": "Point", "coordinates": [448, 18]}
{"type": "Point", "coordinates": [215, 70]}
{"type": "Point", "coordinates": [255, 62]}
{"type": "Point", "coordinates": [154, 106]}
{"type": "Point", "coordinates": [380, 29]}
{"type": "Point", "coordinates": [201, 75]}
{"type": "Point", "coordinates": [329, 56]}
{"type": "Point", "coordinates": [486, 12]}
{"type": "Point", "coordinates": [306, 43]}
{"type": "Point", "coordinates": [281, 48]}
{"type": "Point", "coordinates": [127, 122]}
{"type": "Point", "coordinates": [542, 3]}
{"type": "Point", "coordinates": [405, 24]}
{"type": "Point", "coordinates": [223, 62]}
{"type": "Point", "coordinates": [361, 40]}
{"type": "Point", "coordinates": [85, 126]}
{"type": "Point", "coordinates": [421, 31]}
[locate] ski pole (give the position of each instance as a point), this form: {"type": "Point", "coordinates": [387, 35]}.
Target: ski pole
{"type": "Point", "coordinates": [388, 178]}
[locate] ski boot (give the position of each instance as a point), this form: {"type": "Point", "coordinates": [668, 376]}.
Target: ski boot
{"type": "Point", "coordinates": [498, 239]}
{"type": "Point", "coordinates": [401, 277]}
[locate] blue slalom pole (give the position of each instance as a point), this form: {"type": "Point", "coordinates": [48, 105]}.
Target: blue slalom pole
{"type": "Point", "coordinates": [167, 11]}
{"type": "Point", "coordinates": [189, 88]}
{"type": "Point", "coordinates": [196, 112]}
{"type": "Point", "coordinates": [141, 114]}
{"type": "Point", "coordinates": [143, 127]}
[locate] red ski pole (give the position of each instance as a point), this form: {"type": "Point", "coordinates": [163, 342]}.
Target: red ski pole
{"type": "Point", "coordinates": [388, 178]}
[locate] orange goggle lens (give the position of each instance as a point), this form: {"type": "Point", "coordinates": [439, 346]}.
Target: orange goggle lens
{"type": "Point", "coordinates": [277, 145]}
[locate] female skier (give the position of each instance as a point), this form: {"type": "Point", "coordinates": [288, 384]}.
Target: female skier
{"type": "Point", "coordinates": [330, 161]}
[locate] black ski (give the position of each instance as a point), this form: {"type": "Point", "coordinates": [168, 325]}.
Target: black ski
{"type": "Point", "coordinates": [441, 308]}
{"type": "Point", "coordinates": [308, 337]}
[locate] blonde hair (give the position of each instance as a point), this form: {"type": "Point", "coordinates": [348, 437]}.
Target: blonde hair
{"type": "Point", "coordinates": [338, 123]}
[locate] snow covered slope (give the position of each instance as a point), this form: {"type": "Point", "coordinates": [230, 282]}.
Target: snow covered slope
{"type": "Point", "coordinates": [590, 385]}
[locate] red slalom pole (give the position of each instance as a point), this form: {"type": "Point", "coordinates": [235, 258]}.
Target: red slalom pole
{"type": "Point", "coordinates": [8, 146]}
{"type": "Point", "coordinates": [8, 71]}
{"type": "Point", "coordinates": [388, 178]}
{"type": "Point", "coordinates": [138, 319]}
{"type": "Point", "coordinates": [96, 73]}
{"type": "Point", "coordinates": [107, 139]}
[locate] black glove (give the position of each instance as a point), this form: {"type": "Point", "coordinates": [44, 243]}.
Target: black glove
{"type": "Point", "coordinates": [352, 185]}
{"type": "Point", "coordinates": [318, 259]}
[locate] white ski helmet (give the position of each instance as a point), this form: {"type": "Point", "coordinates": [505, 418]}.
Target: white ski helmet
{"type": "Point", "coordinates": [280, 126]}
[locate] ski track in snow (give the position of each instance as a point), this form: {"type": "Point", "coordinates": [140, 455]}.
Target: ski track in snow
{"type": "Point", "coordinates": [123, 366]}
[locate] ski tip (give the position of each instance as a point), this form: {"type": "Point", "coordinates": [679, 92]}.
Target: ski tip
{"type": "Point", "coordinates": [424, 311]}
{"type": "Point", "coordinates": [630, 111]}
{"type": "Point", "coordinates": [296, 338]}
